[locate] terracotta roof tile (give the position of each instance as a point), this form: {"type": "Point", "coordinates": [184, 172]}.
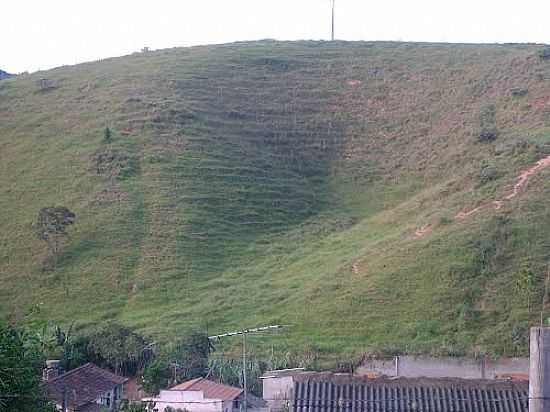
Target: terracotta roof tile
{"type": "Point", "coordinates": [210, 389]}
{"type": "Point", "coordinates": [82, 385]}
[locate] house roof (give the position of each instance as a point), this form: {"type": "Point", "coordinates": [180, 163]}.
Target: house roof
{"type": "Point", "coordinates": [210, 389]}
{"type": "Point", "coordinates": [328, 393]}
{"type": "Point", "coordinates": [82, 385]}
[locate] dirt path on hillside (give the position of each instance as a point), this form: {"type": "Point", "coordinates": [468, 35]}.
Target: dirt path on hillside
{"type": "Point", "coordinates": [521, 181]}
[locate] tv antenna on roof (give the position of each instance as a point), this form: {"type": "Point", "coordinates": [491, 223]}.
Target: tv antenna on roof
{"type": "Point", "coordinates": [244, 332]}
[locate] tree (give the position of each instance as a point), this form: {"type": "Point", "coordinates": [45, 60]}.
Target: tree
{"type": "Point", "coordinates": [107, 135]}
{"type": "Point", "coordinates": [184, 359]}
{"type": "Point", "coordinates": [119, 348]}
{"type": "Point", "coordinates": [51, 226]}
{"type": "Point", "coordinates": [21, 365]}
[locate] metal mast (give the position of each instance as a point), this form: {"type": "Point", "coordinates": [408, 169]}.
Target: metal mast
{"type": "Point", "coordinates": [244, 332]}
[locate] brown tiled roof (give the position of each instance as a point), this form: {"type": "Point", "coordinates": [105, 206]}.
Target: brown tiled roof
{"type": "Point", "coordinates": [82, 385]}
{"type": "Point", "coordinates": [329, 393]}
{"type": "Point", "coordinates": [210, 389]}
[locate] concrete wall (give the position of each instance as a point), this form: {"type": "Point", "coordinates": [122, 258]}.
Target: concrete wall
{"type": "Point", "coordinates": [411, 366]}
{"type": "Point", "coordinates": [276, 391]}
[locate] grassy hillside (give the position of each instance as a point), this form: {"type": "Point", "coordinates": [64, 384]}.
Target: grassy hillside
{"type": "Point", "coordinates": [312, 184]}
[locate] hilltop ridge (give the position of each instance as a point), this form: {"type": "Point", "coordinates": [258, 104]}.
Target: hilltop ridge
{"type": "Point", "coordinates": [4, 75]}
{"type": "Point", "coordinates": [378, 196]}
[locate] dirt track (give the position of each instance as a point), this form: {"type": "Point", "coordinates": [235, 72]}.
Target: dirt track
{"type": "Point", "coordinates": [521, 181]}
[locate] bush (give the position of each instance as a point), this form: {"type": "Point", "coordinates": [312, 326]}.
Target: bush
{"type": "Point", "coordinates": [518, 91]}
{"type": "Point", "coordinates": [488, 173]}
{"type": "Point", "coordinates": [115, 164]}
{"type": "Point", "coordinates": [107, 135]}
{"type": "Point", "coordinates": [487, 120]}
{"type": "Point", "coordinates": [488, 135]}
{"type": "Point", "coordinates": [544, 54]}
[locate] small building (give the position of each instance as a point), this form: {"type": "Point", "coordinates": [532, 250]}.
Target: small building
{"type": "Point", "coordinates": [278, 387]}
{"type": "Point", "coordinates": [204, 395]}
{"type": "Point", "coordinates": [87, 388]}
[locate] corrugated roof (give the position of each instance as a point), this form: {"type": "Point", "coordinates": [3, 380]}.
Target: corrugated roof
{"type": "Point", "coordinates": [347, 394]}
{"type": "Point", "coordinates": [210, 389]}
{"type": "Point", "coordinates": [82, 385]}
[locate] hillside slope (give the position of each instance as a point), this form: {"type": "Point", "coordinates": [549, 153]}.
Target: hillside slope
{"type": "Point", "coordinates": [329, 186]}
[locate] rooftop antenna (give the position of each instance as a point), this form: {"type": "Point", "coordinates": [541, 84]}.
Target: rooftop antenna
{"type": "Point", "coordinates": [244, 332]}
{"type": "Point", "coordinates": [332, 37]}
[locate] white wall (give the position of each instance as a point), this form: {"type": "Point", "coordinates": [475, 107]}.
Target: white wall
{"type": "Point", "coordinates": [193, 401]}
{"type": "Point", "coordinates": [412, 367]}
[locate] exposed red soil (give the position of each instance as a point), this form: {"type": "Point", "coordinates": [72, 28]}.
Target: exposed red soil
{"type": "Point", "coordinates": [521, 180]}
{"type": "Point", "coordinates": [422, 231]}
{"type": "Point", "coordinates": [541, 103]}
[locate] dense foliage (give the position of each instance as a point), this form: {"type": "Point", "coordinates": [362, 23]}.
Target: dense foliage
{"type": "Point", "coordinates": [184, 359]}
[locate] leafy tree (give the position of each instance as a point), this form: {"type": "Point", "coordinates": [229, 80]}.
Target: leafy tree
{"type": "Point", "coordinates": [51, 226]}
{"type": "Point", "coordinates": [118, 348]}
{"type": "Point", "coordinates": [156, 376]}
{"type": "Point", "coordinates": [182, 360]}
{"type": "Point", "coordinates": [20, 370]}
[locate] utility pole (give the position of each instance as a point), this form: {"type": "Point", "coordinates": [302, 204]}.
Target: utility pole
{"type": "Point", "coordinates": [245, 386]}
{"type": "Point", "coordinates": [332, 37]}
{"type": "Point", "coordinates": [539, 370]}
{"type": "Point", "coordinates": [244, 332]}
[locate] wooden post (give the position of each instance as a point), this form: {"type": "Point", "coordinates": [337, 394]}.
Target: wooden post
{"type": "Point", "coordinates": [539, 370]}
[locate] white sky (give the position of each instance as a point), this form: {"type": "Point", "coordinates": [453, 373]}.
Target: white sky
{"type": "Point", "coordinates": [41, 34]}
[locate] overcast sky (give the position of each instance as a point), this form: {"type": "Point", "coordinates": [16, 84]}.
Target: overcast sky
{"type": "Point", "coordinates": [41, 34]}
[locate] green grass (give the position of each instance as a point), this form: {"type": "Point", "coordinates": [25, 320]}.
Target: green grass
{"type": "Point", "coordinates": [282, 182]}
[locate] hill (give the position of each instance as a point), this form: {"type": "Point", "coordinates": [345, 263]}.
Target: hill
{"type": "Point", "coordinates": [346, 189]}
{"type": "Point", "coordinates": [4, 75]}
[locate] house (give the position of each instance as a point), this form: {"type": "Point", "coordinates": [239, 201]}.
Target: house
{"type": "Point", "coordinates": [329, 392]}
{"type": "Point", "coordinates": [84, 389]}
{"type": "Point", "coordinates": [204, 395]}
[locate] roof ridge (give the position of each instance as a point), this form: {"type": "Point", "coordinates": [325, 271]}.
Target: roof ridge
{"type": "Point", "coordinates": [195, 381]}
{"type": "Point", "coordinates": [69, 372]}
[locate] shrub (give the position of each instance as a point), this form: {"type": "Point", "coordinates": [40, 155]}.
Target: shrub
{"type": "Point", "coordinates": [115, 164]}
{"type": "Point", "coordinates": [107, 135]}
{"type": "Point", "coordinates": [488, 173]}
{"type": "Point", "coordinates": [544, 54]}
{"type": "Point", "coordinates": [487, 120]}
{"type": "Point", "coordinates": [488, 135]}
{"type": "Point", "coordinates": [518, 91]}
